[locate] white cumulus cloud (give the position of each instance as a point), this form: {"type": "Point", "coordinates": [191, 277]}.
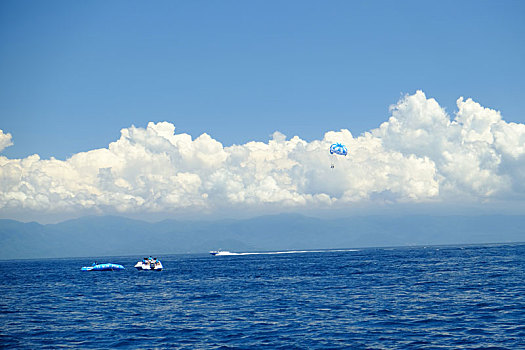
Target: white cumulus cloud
{"type": "Point", "coordinates": [5, 140]}
{"type": "Point", "coordinates": [420, 154]}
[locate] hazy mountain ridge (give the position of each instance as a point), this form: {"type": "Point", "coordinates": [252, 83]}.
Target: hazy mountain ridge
{"type": "Point", "coordinates": [110, 235]}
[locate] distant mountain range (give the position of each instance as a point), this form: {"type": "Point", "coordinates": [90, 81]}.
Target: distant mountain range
{"type": "Point", "coordinates": [112, 236]}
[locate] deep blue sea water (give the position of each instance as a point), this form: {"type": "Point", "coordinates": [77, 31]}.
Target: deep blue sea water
{"type": "Point", "coordinates": [470, 297]}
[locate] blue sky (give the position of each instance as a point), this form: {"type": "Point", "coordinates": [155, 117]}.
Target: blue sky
{"type": "Point", "coordinates": [73, 73]}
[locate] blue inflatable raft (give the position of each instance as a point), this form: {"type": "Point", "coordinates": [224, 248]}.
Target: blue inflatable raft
{"type": "Point", "coordinates": [103, 267]}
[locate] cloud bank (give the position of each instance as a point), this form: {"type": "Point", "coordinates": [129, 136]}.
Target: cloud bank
{"type": "Point", "coordinates": [419, 155]}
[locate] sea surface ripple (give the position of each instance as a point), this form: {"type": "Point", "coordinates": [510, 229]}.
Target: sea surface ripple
{"type": "Point", "coordinates": [469, 297]}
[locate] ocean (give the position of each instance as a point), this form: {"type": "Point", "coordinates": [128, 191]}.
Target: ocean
{"type": "Point", "coordinates": [451, 297]}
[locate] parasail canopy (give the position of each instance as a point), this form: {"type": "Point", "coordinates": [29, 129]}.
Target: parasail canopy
{"type": "Point", "coordinates": [338, 148]}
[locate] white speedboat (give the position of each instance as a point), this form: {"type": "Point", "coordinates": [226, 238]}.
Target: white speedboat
{"type": "Point", "coordinates": [151, 264]}
{"type": "Point", "coordinates": [220, 252]}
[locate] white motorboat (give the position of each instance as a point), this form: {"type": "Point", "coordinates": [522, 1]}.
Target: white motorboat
{"type": "Point", "coordinates": [220, 252]}
{"type": "Point", "coordinates": [151, 264]}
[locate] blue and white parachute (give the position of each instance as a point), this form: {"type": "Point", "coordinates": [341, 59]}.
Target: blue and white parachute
{"type": "Point", "coordinates": [337, 149]}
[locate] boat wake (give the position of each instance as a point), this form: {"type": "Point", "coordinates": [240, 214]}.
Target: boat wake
{"type": "Point", "coordinates": [222, 253]}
